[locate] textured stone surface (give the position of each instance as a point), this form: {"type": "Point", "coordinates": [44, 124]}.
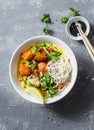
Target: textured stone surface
{"type": "Point", "coordinates": [19, 20]}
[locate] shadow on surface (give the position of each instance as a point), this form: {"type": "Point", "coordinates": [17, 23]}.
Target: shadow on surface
{"type": "Point", "coordinates": [78, 101]}
{"type": "Point", "coordinates": [52, 32]}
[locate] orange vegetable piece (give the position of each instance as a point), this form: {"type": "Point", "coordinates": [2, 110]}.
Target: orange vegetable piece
{"type": "Point", "coordinates": [27, 55]}
{"type": "Point", "coordinates": [61, 85]}
{"type": "Point", "coordinates": [37, 71]}
{"type": "Point", "coordinates": [24, 70]}
{"type": "Point", "coordinates": [41, 56]}
{"type": "Point", "coordinates": [50, 49]}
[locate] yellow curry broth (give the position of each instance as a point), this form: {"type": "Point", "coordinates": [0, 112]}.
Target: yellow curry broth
{"type": "Point", "coordinates": [22, 61]}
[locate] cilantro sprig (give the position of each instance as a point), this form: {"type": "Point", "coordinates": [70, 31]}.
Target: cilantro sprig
{"type": "Point", "coordinates": [53, 55]}
{"type": "Point", "coordinates": [46, 18]}
{"type": "Point", "coordinates": [64, 19]}
{"type": "Point", "coordinates": [46, 30]}
{"type": "Point", "coordinates": [35, 50]}
{"type": "Point", "coordinates": [47, 84]}
{"type": "Point", "coordinates": [73, 13]}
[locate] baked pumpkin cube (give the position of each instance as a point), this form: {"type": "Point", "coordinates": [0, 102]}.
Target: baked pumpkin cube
{"type": "Point", "coordinates": [24, 70]}
{"type": "Point", "coordinates": [27, 55]}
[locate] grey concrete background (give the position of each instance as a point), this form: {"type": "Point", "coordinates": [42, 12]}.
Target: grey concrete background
{"type": "Point", "coordinates": [20, 20]}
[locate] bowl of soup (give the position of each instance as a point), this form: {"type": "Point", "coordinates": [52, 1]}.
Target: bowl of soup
{"type": "Point", "coordinates": [43, 69]}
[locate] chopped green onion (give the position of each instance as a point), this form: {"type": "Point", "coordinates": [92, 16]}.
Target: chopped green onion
{"type": "Point", "coordinates": [35, 50]}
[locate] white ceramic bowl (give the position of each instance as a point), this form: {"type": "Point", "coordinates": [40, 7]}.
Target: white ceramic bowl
{"type": "Point", "coordinates": [75, 19]}
{"type": "Point", "coordinates": [24, 46]}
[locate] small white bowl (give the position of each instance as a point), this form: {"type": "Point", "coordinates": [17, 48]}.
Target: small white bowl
{"type": "Point", "coordinates": [75, 19]}
{"type": "Point", "coordinates": [24, 46]}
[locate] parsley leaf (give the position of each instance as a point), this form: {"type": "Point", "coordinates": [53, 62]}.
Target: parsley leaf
{"type": "Point", "coordinates": [47, 84]}
{"type": "Point", "coordinates": [74, 11]}
{"type": "Point", "coordinates": [50, 92]}
{"type": "Point", "coordinates": [46, 18]}
{"type": "Point", "coordinates": [46, 30]}
{"type": "Point", "coordinates": [64, 19]}
{"type": "Point", "coordinates": [53, 55]}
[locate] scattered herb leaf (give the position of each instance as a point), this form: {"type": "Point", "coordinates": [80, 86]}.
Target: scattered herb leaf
{"type": "Point", "coordinates": [53, 55]}
{"type": "Point", "coordinates": [74, 11]}
{"type": "Point", "coordinates": [64, 19]}
{"type": "Point", "coordinates": [46, 18]}
{"type": "Point", "coordinates": [46, 30]}
{"type": "Point", "coordinates": [50, 91]}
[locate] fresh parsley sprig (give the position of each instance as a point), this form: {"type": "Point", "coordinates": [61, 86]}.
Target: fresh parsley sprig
{"type": "Point", "coordinates": [64, 19]}
{"type": "Point", "coordinates": [74, 13]}
{"type": "Point", "coordinates": [46, 19]}
{"type": "Point", "coordinates": [46, 30]}
{"type": "Point", "coordinates": [47, 84]}
{"type": "Point", "coordinates": [53, 55]}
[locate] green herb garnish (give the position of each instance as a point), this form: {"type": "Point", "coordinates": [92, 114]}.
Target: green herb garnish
{"type": "Point", "coordinates": [35, 50]}
{"type": "Point", "coordinates": [46, 18]}
{"type": "Point", "coordinates": [46, 30]}
{"type": "Point", "coordinates": [25, 82]}
{"type": "Point", "coordinates": [43, 44]}
{"type": "Point", "coordinates": [54, 55]}
{"type": "Point", "coordinates": [74, 12]}
{"type": "Point", "coordinates": [64, 19]}
{"type": "Point", "coordinates": [47, 84]}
